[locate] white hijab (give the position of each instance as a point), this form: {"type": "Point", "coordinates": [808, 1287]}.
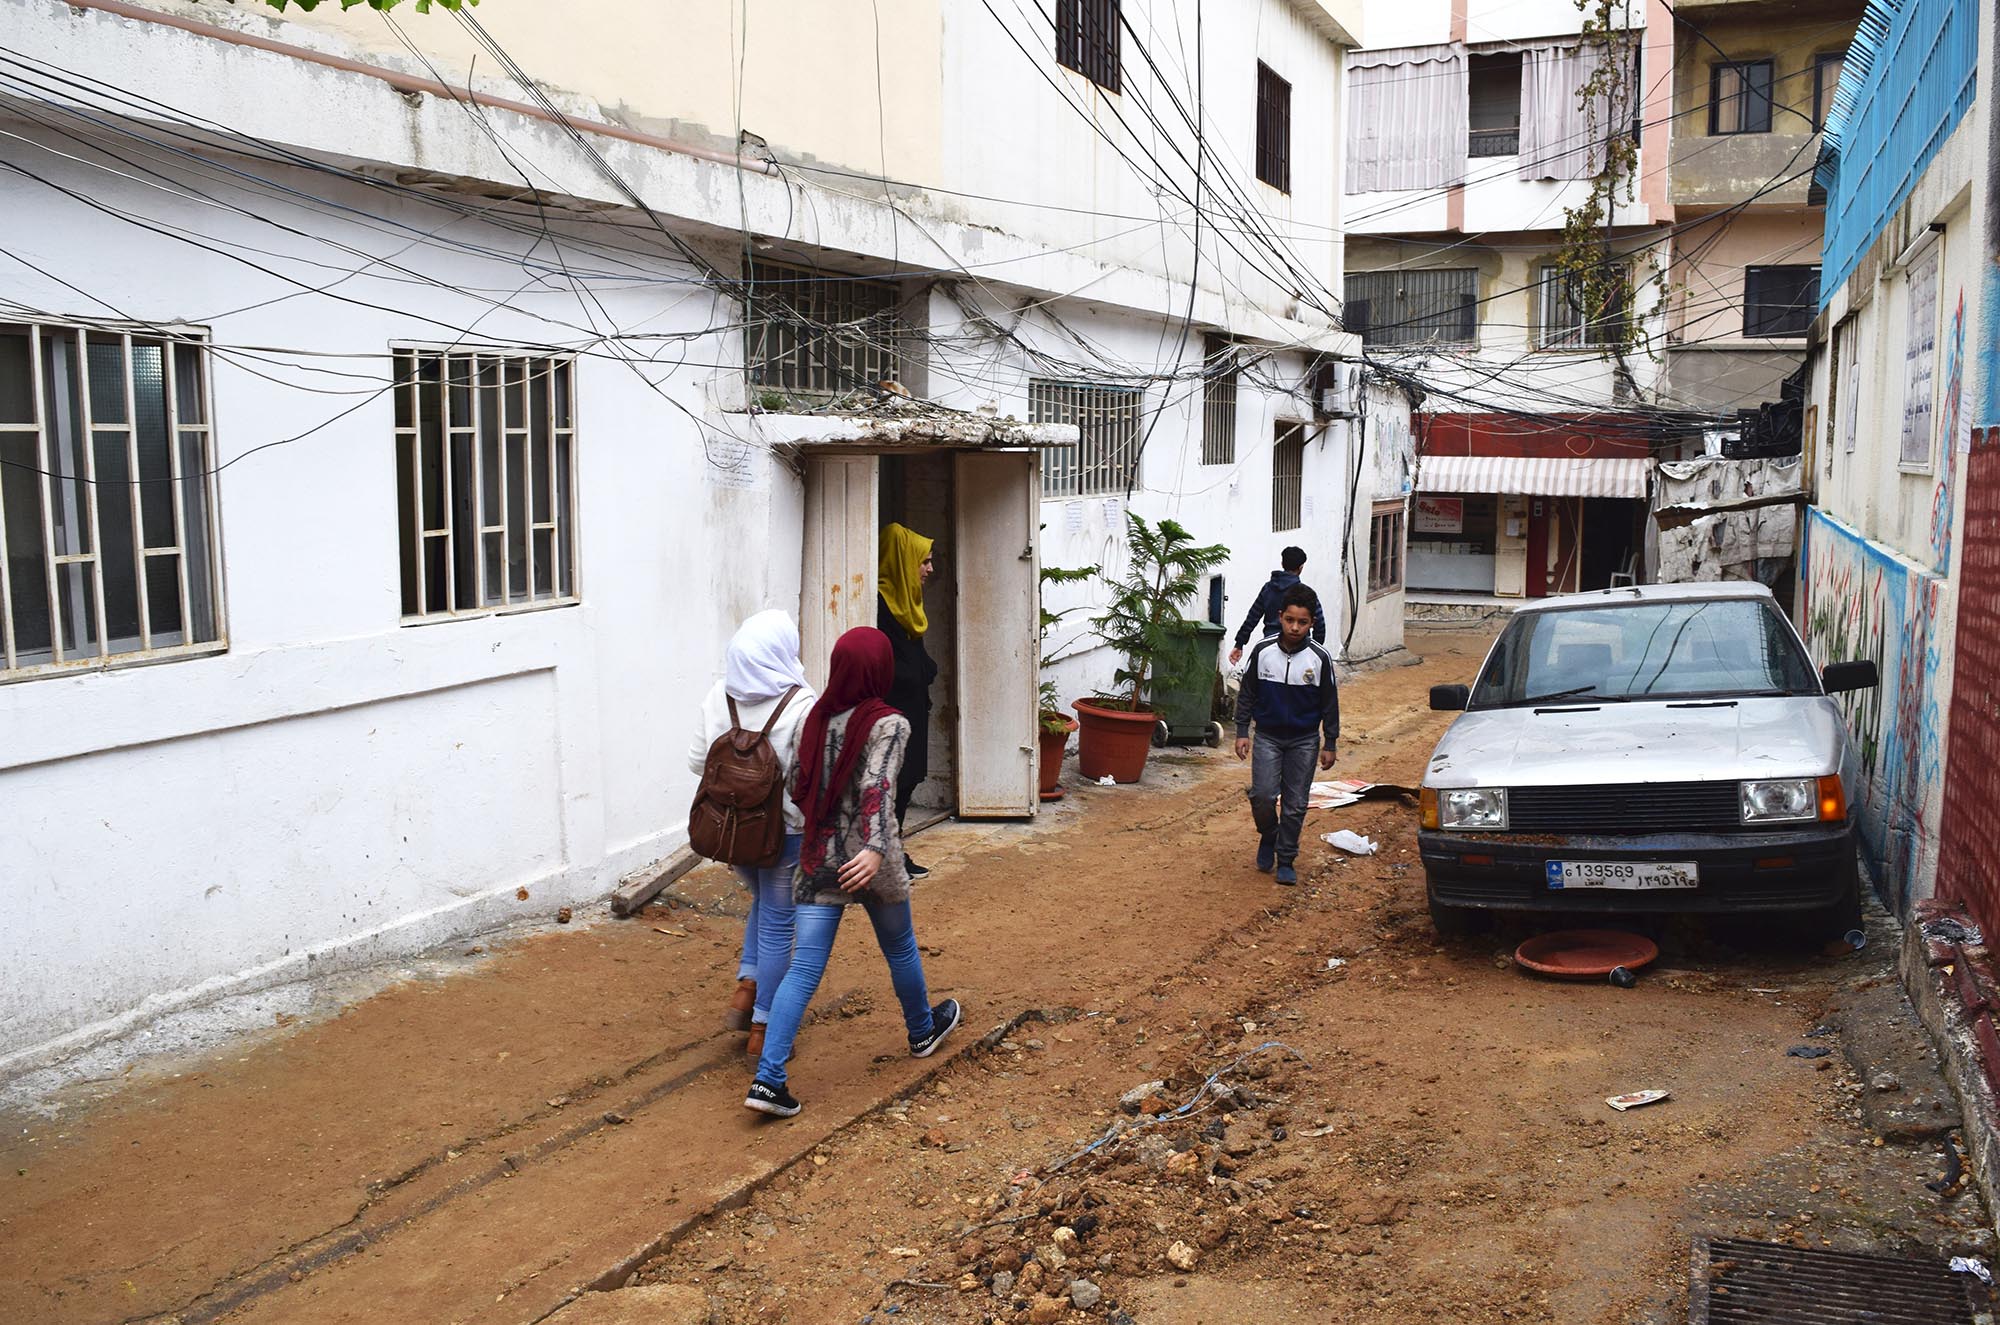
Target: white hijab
{"type": "Point", "coordinates": [763, 658]}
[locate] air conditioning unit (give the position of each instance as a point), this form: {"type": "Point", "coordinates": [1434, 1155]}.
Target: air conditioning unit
{"type": "Point", "coordinates": [1338, 384]}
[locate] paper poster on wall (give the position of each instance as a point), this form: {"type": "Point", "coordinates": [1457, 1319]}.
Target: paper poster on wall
{"type": "Point", "coordinates": [1439, 515]}
{"type": "Point", "coordinates": [1073, 517]}
{"type": "Point", "coordinates": [732, 463]}
{"type": "Point", "coordinates": [1918, 360]}
{"type": "Point", "coordinates": [1306, 508]}
{"type": "Point", "coordinates": [1114, 511]}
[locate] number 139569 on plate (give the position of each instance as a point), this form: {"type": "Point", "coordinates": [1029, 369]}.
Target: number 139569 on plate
{"type": "Point", "coordinates": [1622, 874]}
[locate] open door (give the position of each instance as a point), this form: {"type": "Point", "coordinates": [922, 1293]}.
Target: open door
{"type": "Point", "coordinates": [996, 509]}
{"type": "Point", "coordinates": [837, 591]}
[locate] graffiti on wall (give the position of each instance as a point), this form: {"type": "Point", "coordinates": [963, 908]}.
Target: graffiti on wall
{"type": "Point", "coordinates": [1861, 600]}
{"type": "Point", "coordinates": [1951, 426]}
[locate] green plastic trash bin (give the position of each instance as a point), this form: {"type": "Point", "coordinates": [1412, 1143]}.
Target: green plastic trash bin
{"type": "Point", "coordinates": [1183, 691]}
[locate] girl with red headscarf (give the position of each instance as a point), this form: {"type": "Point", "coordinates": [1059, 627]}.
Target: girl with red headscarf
{"type": "Point", "coordinates": [850, 753]}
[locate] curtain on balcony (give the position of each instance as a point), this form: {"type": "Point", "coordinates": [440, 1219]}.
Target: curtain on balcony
{"type": "Point", "coordinates": [1559, 138]}
{"type": "Point", "coordinates": [1406, 122]}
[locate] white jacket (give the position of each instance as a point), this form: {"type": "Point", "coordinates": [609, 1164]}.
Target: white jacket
{"type": "Point", "coordinates": [784, 735]}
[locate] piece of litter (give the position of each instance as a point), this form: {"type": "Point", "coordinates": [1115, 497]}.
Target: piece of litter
{"type": "Point", "coordinates": [1107, 781]}
{"type": "Point", "coordinates": [1969, 1265]}
{"type": "Point", "coordinates": [1335, 963]}
{"type": "Point", "coordinates": [1350, 842]}
{"type": "Point", "coordinates": [1635, 1099]}
{"type": "Point", "coordinates": [1808, 1051]}
{"type": "Point", "coordinates": [904, 1251]}
{"type": "Point", "coordinates": [1327, 1130]}
{"type": "Point", "coordinates": [676, 933]}
{"type": "Point", "coordinates": [1756, 990]}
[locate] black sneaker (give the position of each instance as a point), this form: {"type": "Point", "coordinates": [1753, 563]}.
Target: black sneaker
{"type": "Point", "coordinates": [774, 1100]}
{"type": "Point", "coordinates": [944, 1020]}
{"type": "Point", "coordinates": [912, 869]}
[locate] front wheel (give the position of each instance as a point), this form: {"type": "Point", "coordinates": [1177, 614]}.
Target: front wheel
{"type": "Point", "coordinates": [1836, 919]}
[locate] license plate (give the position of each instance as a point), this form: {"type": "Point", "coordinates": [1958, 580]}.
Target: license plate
{"type": "Point", "coordinates": [1622, 874]}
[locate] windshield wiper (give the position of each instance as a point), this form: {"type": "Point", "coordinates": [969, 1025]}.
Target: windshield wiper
{"type": "Point", "coordinates": [1576, 691]}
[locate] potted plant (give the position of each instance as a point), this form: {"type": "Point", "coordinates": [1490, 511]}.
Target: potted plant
{"type": "Point", "coordinates": [1164, 569]}
{"type": "Point", "coordinates": [1054, 726]}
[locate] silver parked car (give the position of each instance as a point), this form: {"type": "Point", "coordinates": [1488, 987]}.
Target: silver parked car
{"type": "Point", "coordinates": [1651, 749]}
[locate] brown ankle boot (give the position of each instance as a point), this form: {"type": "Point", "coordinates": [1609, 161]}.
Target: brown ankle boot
{"type": "Point", "coordinates": [755, 1047]}
{"type": "Point", "coordinates": [740, 1005]}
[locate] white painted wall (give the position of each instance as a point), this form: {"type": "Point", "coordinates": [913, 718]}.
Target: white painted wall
{"type": "Point", "coordinates": [338, 788]}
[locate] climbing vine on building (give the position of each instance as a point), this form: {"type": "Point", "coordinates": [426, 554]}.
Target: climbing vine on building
{"type": "Point", "coordinates": [1600, 281]}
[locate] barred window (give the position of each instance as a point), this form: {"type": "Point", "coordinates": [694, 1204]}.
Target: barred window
{"type": "Point", "coordinates": [1385, 549]}
{"type": "Point", "coordinates": [1087, 38]}
{"type": "Point", "coordinates": [1105, 459]}
{"type": "Point", "coordinates": [107, 499]}
{"type": "Point", "coordinates": [1218, 402]}
{"type": "Point", "coordinates": [1288, 477]}
{"type": "Point", "coordinates": [1561, 320]}
{"type": "Point", "coordinates": [1428, 307]}
{"type": "Point", "coordinates": [1274, 129]}
{"type": "Point", "coordinates": [485, 482]}
{"type": "Point", "coordinates": [819, 334]}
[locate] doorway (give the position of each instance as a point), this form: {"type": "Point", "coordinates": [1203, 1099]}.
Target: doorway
{"type": "Point", "coordinates": [981, 508]}
{"type": "Point", "coordinates": [1610, 539]}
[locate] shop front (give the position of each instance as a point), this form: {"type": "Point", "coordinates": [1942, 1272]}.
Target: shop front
{"type": "Point", "coordinates": [1526, 526]}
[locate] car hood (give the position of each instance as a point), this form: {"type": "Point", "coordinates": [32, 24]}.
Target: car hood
{"type": "Point", "coordinates": [1648, 741]}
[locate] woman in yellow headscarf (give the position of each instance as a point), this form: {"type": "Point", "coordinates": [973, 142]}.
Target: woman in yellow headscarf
{"type": "Point", "coordinates": [905, 565]}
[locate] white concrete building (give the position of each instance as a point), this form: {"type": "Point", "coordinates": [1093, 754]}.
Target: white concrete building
{"type": "Point", "coordinates": [383, 470]}
{"type": "Point", "coordinates": [1467, 141]}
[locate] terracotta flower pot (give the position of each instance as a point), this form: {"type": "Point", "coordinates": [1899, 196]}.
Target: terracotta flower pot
{"type": "Point", "coordinates": [1114, 741]}
{"type": "Point", "coordinates": [1053, 743]}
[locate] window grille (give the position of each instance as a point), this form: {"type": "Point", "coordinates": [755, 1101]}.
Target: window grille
{"type": "Point", "coordinates": [107, 499]}
{"type": "Point", "coordinates": [1105, 459]}
{"type": "Point", "coordinates": [1429, 307]}
{"type": "Point", "coordinates": [1779, 301]}
{"type": "Point", "coordinates": [1218, 402]}
{"type": "Point", "coordinates": [1288, 478]}
{"type": "Point", "coordinates": [1561, 321]}
{"type": "Point", "coordinates": [815, 334]}
{"type": "Point", "coordinates": [1739, 97]}
{"type": "Point", "coordinates": [1087, 39]}
{"type": "Point", "coordinates": [485, 482]}
{"type": "Point", "coordinates": [1274, 129]}
{"type": "Point", "coordinates": [1385, 549]}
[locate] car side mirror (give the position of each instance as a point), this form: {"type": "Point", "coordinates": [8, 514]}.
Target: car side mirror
{"type": "Point", "coordinates": [1453, 699]}
{"type": "Point", "coordinates": [1841, 676]}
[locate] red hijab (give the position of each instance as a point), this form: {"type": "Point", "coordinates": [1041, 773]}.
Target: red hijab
{"type": "Point", "coordinates": [858, 680]}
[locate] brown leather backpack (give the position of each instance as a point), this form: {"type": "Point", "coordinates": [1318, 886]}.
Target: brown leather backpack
{"type": "Point", "coordinates": [738, 816]}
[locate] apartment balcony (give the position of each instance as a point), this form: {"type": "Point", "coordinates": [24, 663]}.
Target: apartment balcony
{"type": "Point", "coordinates": [1720, 171]}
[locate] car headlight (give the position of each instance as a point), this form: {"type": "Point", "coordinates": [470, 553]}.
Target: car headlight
{"type": "Point", "coordinates": [1473, 807]}
{"type": "Point", "coordinates": [1785, 800]}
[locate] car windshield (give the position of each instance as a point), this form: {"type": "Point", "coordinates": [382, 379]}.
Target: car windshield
{"type": "Point", "coordinates": [1645, 650]}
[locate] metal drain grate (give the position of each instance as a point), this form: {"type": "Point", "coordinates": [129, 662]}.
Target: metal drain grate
{"type": "Point", "coordinates": [1735, 1282]}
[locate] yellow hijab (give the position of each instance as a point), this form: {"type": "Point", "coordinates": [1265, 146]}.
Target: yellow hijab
{"type": "Point", "coordinates": [901, 580]}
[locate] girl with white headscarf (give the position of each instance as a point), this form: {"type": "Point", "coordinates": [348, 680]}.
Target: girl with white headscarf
{"type": "Point", "coordinates": [761, 664]}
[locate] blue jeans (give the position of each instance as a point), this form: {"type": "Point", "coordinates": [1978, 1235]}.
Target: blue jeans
{"type": "Point", "coordinates": [767, 934]}
{"type": "Point", "coordinates": [817, 926]}
{"type": "Point", "coordinates": [1281, 778]}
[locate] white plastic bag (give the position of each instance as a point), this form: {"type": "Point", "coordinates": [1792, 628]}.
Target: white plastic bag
{"type": "Point", "coordinates": [1351, 842]}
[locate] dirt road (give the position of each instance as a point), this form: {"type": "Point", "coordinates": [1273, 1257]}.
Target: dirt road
{"type": "Point", "coordinates": [1412, 1133]}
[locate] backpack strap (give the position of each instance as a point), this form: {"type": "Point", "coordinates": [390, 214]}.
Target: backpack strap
{"type": "Point", "coordinates": [771, 721]}
{"type": "Point", "coordinates": [736, 721]}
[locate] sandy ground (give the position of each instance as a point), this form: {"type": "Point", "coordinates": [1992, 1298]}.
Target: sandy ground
{"type": "Point", "coordinates": [1416, 1133]}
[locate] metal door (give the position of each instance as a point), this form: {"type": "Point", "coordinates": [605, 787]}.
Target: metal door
{"type": "Point", "coordinates": [996, 501]}
{"type": "Point", "coordinates": [837, 591]}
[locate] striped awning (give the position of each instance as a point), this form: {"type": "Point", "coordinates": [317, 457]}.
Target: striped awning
{"type": "Point", "coordinates": [1613, 476]}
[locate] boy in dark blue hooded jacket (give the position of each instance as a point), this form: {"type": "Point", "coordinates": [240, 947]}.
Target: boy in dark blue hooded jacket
{"type": "Point", "coordinates": [1270, 601]}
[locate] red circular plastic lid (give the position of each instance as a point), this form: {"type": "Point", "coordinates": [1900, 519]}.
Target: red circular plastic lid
{"type": "Point", "coordinates": [1577, 954]}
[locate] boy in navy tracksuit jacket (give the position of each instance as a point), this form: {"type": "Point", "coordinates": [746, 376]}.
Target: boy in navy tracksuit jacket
{"type": "Point", "coordinates": [1288, 692]}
